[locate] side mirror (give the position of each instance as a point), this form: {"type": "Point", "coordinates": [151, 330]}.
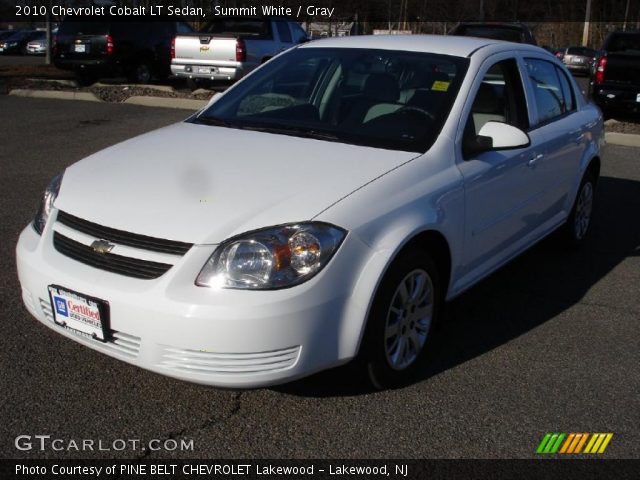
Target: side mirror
{"type": "Point", "coordinates": [496, 136]}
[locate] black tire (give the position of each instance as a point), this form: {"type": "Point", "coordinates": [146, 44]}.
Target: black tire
{"type": "Point", "coordinates": [86, 79]}
{"type": "Point", "coordinates": [193, 84]}
{"type": "Point", "coordinates": [578, 225]}
{"type": "Point", "coordinates": [140, 73]}
{"type": "Point", "coordinates": [376, 355]}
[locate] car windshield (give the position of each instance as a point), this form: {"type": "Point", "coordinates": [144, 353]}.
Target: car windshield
{"type": "Point", "coordinates": [18, 36]}
{"type": "Point", "coordinates": [380, 98]}
{"type": "Point", "coordinates": [77, 26]}
{"type": "Point", "coordinates": [585, 52]}
{"type": "Point", "coordinates": [238, 26]}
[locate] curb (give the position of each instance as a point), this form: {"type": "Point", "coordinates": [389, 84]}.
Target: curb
{"type": "Point", "coordinates": [624, 139]}
{"type": "Point", "coordinates": [184, 103]}
{"type": "Point", "coordinates": [163, 102]}
{"type": "Point", "coordinates": [60, 95]}
{"type": "Point", "coordinates": [159, 88]}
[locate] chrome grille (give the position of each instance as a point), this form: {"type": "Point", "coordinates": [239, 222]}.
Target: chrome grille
{"type": "Point", "coordinates": [129, 266]}
{"type": "Point", "coordinates": [121, 237]}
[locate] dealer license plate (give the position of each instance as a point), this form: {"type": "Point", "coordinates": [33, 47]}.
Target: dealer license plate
{"type": "Point", "coordinates": [80, 48]}
{"type": "Point", "coordinates": [79, 312]}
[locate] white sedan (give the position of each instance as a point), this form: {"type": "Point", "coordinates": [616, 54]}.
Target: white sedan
{"type": "Point", "coordinates": [321, 210]}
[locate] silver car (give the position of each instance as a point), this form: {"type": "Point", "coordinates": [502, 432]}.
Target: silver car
{"type": "Point", "coordinates": [579, 59]}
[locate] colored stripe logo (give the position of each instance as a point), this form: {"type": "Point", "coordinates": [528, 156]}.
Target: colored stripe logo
{"type": "Point", "coordinates": [574, 443]}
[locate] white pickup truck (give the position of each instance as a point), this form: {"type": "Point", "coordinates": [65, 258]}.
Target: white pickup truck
{"type": "Point", "coordinates": [229, 49]}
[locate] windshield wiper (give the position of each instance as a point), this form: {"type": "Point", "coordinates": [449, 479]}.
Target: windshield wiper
{"type": "Point", "coordinates": [279, 129]}
{"type": "Point", "coordinates": [295, 131]}
{"type": "Point", "coordinates": [215, 121]}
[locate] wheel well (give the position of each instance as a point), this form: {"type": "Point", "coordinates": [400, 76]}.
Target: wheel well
{"type": "Point", "coordinates": [436, 244]}
{"type": "Point", "coordinates": [594, 168]}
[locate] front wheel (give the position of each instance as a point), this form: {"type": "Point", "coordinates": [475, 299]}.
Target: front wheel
{"type": "Point", "coordinates": [401, 320]}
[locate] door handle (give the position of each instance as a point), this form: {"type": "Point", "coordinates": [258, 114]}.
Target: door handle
{"type": "Point", "coordinates": [534, 159]}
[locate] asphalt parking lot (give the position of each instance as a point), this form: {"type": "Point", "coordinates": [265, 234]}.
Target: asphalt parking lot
{"type": "Point", "coordinates": [550, 343]}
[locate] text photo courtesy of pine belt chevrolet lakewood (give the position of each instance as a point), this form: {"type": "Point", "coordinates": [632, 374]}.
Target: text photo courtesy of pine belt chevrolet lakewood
{"type": "Point", "coordinates": [320, 210]}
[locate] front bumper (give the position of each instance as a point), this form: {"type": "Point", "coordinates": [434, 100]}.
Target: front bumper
{"type": "Point", "coordinates": [227, 338]}
{"type": "Point", "coordinates": [578, 68]}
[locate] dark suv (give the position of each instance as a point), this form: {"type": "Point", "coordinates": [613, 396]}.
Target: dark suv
{"type": "Point", "coordinates": [94, 49]}
{"type": "Point", "coordinates": [615, 80]}
{"type": "Point", "coordinates": [509, 32]}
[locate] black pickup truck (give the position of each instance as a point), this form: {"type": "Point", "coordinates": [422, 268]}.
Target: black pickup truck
{"type": "Point", "coordinates": [615, 80]}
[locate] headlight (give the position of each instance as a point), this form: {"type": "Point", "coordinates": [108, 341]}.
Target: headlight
{"type": "Point", "coordinates": [276, 257]}
{"type": "Point", "coordinates": [46, 205]}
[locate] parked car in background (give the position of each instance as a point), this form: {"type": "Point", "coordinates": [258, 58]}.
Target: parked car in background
{"type": "Point", "coordinates": [615, 80]}
{"type": "Point", "coordinates": [230, 48]}
{"type": "Point", "coordinates": [16, 43]}
{"type": "Point", "coordinates": [93, 48]}
{"type": "Point", "coordinates": [509, 32]}
{"type": "Point", "coordinates": [6, 33]}
{"type": "Point", "coordinates": [37, 46]}
{"type": "Point", "coordinates": [578, 59]}
{"type": "Point", "coordinates": [323, 209]}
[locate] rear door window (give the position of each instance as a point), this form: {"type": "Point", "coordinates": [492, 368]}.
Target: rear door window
{"type": "Point", "coordinates": [548, 91]}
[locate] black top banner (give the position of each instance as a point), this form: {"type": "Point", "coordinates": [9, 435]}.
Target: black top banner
{"type": "Point", "coordinates": [384, 13]}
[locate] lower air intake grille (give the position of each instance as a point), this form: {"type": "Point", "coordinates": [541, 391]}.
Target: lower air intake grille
{"type": "Point", "coordinates": [131, 267]}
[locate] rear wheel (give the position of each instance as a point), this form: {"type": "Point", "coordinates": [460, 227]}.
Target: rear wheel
{"type": "Point", "coordinates": [401, 321]}
{"type": "Point", "coordinates": [578, 224]}
{"type": "Point", "coordinates": [86, 79]}
{"type": "Point", "coordinates": [141, 73]}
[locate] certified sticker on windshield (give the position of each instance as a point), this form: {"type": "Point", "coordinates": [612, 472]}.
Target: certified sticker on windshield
{"type": "Point", "coordinates": [440, 86]}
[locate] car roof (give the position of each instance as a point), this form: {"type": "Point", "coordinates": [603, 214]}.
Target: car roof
{"type": "Point", "coordinates": [458, 46]}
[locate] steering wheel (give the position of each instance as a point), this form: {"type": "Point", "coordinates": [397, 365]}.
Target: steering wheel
{"type": "Point", "coordinates": [409, 110]}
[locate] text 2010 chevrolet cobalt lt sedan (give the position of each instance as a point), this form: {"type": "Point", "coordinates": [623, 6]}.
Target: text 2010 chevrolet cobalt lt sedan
{"type": "Point", "coordinates": [320, 210]}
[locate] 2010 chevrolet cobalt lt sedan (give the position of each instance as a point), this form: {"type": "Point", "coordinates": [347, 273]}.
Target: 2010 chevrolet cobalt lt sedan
{"type": "Point", "coordinates": [321, 210]}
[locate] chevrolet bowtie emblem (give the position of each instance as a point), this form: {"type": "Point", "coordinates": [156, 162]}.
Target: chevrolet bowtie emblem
{"type": "Point", "coordinates": [102, 246]}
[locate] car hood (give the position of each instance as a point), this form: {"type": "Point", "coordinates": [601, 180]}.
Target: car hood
{"type": "Point", "coordinates": [202, 184]}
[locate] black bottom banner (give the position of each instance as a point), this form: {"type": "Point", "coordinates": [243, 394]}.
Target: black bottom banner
{"type": "Point", "coordinates": [319, 469]}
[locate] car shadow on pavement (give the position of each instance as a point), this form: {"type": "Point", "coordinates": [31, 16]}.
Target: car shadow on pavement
{"type": "Point", "coordinates": [531, 290]}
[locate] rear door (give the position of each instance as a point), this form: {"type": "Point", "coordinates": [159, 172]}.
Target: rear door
{"type": "Point", "coordinates": [561, 134]}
